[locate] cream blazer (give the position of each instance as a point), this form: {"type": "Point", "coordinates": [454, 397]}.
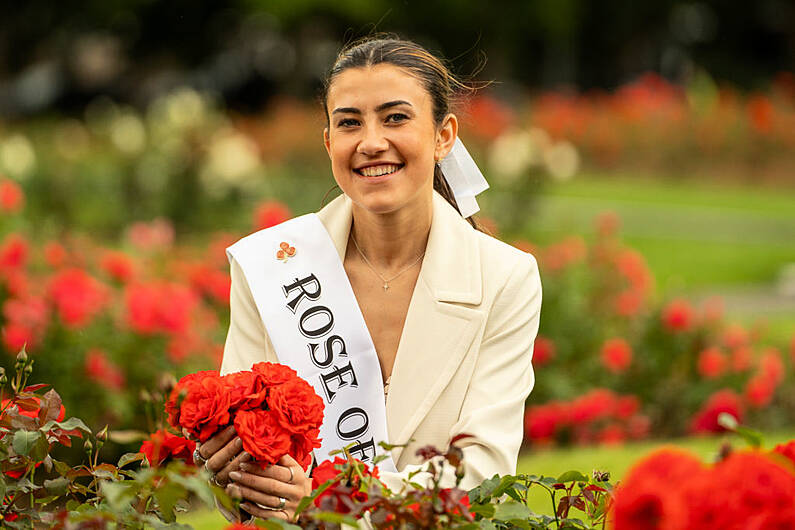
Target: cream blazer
{"type": "Point", "coordinates": [463, 364]}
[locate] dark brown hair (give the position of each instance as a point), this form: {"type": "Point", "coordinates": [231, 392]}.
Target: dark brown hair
{"type": "Point", "coordinates": [441, 84]}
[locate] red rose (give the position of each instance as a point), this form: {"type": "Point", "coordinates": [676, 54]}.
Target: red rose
{"type": "Point", "coordinates": [274, 373]}
{"type": "Point", "coordinates": [204, 407]}
{"type": "Point", "coordinates": [263, 436]}
{"type": "Point", "coordinates": [787, 450]}
{"type": "Point", "coordinates": [652, 496]}
{"type": "Point", "coordinates": [296, 405]}
{"type": "Point", "coordinates": [302, 445]}
{"type": "Point", "coordinates": [345, 489]}
{"type": "Point", "coordinates": [162, 446]}
{"type": "Point", "coordinates": [247, 390]}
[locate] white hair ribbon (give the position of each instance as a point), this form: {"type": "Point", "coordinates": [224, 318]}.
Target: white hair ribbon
{"type": "Point", "coordinates": [464, 178]}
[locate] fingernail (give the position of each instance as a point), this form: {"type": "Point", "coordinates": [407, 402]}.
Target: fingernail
{"type": "Point", "coordinates": [239, 442]}
{"type": "Point", "coordinates": [244, 466]}
{"type": "Point", "coordinates": [234, 475]}
{"type": "Point", "coordinates": [234, 491]}
{"type": "Point", "coordinates": [245, 456]}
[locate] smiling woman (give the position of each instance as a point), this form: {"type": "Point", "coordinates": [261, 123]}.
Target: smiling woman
{"type": "Point", "coordinates": [415, 327]}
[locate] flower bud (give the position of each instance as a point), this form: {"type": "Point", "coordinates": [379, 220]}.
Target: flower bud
{"type": "Point", "coordinates": [28, 369]}
{"type": "Point", "coordinates": [22, 357]}
{"type": "Point", "coordinates": [102, 436]}
{"type": "Point", "coordinates": [3, 380]}
{"type": "Point", "coordinates": [88, 446]}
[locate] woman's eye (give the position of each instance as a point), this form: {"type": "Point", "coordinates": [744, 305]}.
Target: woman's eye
{"type": "Point", "coordinates": [347, 122]}
{"type": "Point", "coordinates": [396, 118]}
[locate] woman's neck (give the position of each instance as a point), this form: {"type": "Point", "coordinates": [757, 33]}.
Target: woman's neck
{"type": "Point", "coordinates": [392, 240]}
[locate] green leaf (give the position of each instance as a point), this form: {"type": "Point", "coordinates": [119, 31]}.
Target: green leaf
{"type": "Point", "coordinates": [167, 497]}
{"type": "Point", "coordinates": [486, 510]}
{"type": "Point", "coordinates": [57, 486]}
{"type": "Point", "coordinates": [128, 458]}
{"type": "Point", "coordinates": [337, 518]}
{"type": "Point", "coordinates": [511, 510]}
{"type": "Point", "coordinates": [68, 425]}
{"type": "Point", "coordinates": [62, 468]}
{"type": "Point", "coordinates": [196, 485]}
{"type": "Point", "coordinates": [572, 476]}
{"type": "Point", "coordinates": [118, 494]}
{"type": "Point", "coordinates": [485, 524]}
{"type": "Point", "coordinates": [25, 441]}
{"type": "Point", "coordinates": [506, 482]}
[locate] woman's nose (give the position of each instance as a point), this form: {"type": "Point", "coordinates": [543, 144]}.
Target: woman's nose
{"type": "Point", "coordinates": [372, 142]}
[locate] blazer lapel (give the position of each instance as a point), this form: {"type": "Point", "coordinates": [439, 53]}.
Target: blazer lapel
{"type": "Point", "coordinates": [440, 328]}
{"type": "Point", "coordinates": [441, 324]}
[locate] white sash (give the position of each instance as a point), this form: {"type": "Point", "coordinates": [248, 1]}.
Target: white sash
{"type": "Point", "coordinates": [315, 325]}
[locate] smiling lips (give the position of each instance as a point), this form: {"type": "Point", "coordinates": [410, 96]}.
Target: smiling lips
{"type": "Point", "coordinates": [378, 170]}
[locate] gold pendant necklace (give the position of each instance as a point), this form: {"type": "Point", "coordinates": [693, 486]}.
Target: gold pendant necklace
{"type": "Point", "coordinates": [386, 282]}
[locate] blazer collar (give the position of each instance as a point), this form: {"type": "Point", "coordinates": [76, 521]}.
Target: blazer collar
{"type": "Point", "coordinates": [450, 245]}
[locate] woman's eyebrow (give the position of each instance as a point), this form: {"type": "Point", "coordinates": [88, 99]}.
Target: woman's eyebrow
{"type": "Point", "coordinates": [379, 108]}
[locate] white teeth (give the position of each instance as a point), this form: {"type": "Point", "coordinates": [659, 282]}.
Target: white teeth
{"type": "Point", "coordinates": [377, 171]}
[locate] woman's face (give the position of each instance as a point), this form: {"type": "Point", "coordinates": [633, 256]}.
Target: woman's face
{"type": "Point", "coordinates": [382, 139]}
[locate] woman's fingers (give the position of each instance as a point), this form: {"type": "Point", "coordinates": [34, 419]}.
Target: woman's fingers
{"type": "Point", "coordinates": [257, 488]}
{"type": "Point", "coordinates": [257, 511]}
{"type": "Point", "coordinates": [222, 477]}
{"type": "Point", "coordinates": [277, 472]}
{"type": "Point", "coordinates": [214, 444]}
{"type": "Point", "coordinates": [224, 456]}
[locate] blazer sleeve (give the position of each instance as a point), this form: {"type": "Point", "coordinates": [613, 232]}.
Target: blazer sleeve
{"type": "Point", "coordinates": [493, 407]}
{"type": "Point", "coordinates": [247, 342]}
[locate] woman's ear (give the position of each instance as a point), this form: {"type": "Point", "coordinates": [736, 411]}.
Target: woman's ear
{"type": "Point", "coordinates": [445, 137]}
{"type": "Point", "coordinates": [326, 142]}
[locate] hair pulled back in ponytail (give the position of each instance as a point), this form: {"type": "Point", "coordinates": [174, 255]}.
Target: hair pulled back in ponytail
{"type": "Point", "coordinates": [436, 78]}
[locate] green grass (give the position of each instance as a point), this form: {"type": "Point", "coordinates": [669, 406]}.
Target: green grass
{"type": "Point", "coordinates": [693, 235]}
{"type": "Point", "coordinates": [553, 462]}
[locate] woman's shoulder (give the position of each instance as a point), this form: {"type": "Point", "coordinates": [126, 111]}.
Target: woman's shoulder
{"type": "Point", "coordinates": [496, 255]}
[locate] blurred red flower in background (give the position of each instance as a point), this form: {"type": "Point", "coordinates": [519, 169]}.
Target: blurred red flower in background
{"type": "Point", "coordinates": [677, 315]}
{"type": "Point", "coordinates": [159, 307]}
{"type": "Point", "coordinates": [156, 235]}
{"type": "Point", "coordinates": [118, 265]}
{"type": "Point", "coordinates": [13, 252]}
{"type": "Point", "coordinates": [711, 363]}
{"type": "Point", "coordinates": [54, 254]}
{"type": "Point", "coordinates": [760, 113]}
{"type": "Point", "coordinates": [26, 321]}
{"type": "Point", "coordinates": [102, 371]}
{"type": "Point", "coordinates": [741, 359]}
{"type": "Point", "coordinates": [734, 336]}
{"type": "Point", "coordinates": [706, 419]}
{"type": "Point", "coordinates": [616, 355]}
{"type": "Point", "coordinates": [270, 213]}
{"type": "Point", "coordinates": [77, 297]}
{"type": "Point", "coordinates": [489, 116]}
{"type": "Point", "coordinates": [12, 199]}
{"type": "Point", "coordinates": [759, 391]}
{"type": "Point", "coordinates": [543, 351]}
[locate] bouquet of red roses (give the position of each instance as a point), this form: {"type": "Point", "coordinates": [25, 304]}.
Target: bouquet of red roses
{"type": "Point", "coordinates": [274, 411]}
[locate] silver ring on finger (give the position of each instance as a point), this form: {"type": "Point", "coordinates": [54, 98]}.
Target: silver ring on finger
{"type": "Point", "coordinates": [198, 459]}
{"type": "Point", "coordinates": [291, 475]}
{"type": "Point", "coordinates": [210, 471]}
{"type": "Point", "coordinates": [282, 503]}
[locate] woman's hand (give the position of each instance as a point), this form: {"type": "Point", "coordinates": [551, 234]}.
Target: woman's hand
{"type": "Point", "coordinates": [273, 492]}
{"type": "Point", "coordinates": [221, 454]}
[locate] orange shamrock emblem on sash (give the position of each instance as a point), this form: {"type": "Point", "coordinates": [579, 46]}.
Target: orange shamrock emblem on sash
{"type": "Point", "coordinates": [285, 252]}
